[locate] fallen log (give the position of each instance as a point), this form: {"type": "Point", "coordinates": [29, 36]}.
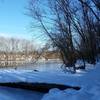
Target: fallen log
{"type": "Point", "coordinates": [38, 87]}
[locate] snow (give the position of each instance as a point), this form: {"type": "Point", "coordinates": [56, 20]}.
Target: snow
{"type": "Point", "coordinates": [18, 94]}
{"type": "Point", "coordinates": [88, 80]}
{"type": "Point", "coordinates": [89, 83]}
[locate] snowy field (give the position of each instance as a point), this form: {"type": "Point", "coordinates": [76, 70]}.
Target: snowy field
{"type": "Point", "coordinates": [88, 80]}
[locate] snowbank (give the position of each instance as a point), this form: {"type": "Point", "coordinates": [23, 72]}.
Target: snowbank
{"type": "Point", "coordinates": [18, 94]}
{"type": "Point", "coordinates": [90, 88]}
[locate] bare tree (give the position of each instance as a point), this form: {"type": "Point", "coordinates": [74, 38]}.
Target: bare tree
{"type": "Point", "coordinates": [61, 36]}
{"type": "Point", "coordinates": [61, 20]}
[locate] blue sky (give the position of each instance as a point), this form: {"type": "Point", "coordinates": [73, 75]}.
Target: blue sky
{"type": "Point", "coordinates": [13, 21]}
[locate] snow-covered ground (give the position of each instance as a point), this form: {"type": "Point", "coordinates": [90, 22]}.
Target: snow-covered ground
{"type": "Point", "coordinates": [88, 80]}
{"type": "Point", "coordinates": [18, 94]}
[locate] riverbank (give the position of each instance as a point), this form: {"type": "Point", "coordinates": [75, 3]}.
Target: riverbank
{"type": "Point", "coordinates": [88, 80]}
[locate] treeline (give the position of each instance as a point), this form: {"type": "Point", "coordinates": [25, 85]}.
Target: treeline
{"type": "Point", "coordinates": [14, 45]}
{"type": "Point", "coordinates": [73, 27]}
{"type": "Point", "coordinates": [16, 51]}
